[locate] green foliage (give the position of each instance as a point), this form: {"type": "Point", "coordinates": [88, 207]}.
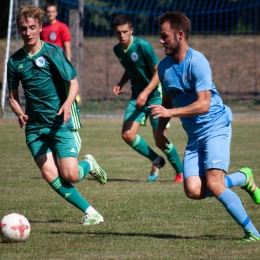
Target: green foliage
{"type": "Point", "coordinates": [142, 220]}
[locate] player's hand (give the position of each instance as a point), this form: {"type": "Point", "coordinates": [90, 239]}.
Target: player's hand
{"type": "Point", "coordinates": [161, 141]}
{"type": "Point", "coordinates": [141, 100]}
{"type": "Point", "coordinates": [117, 90]}
{"type": "Point", "coordinates": [22, 120]}
{"type": "Point", "coordinates": [159, 111]}
{"type": "Point", "coordinates": [65, 109]}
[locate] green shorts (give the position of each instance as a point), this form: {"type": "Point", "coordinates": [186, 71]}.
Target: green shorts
{"type": "Point", "coordinates": [64, 142]}
{"type": "Point", "coordinates": [140, 115]}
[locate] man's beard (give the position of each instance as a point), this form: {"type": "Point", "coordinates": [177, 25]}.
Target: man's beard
{"type": "Point", "coordinates": [174, 50]}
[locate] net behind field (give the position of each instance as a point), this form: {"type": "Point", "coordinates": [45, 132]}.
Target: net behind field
{"type": "Point", "coordinates": [226, 32]}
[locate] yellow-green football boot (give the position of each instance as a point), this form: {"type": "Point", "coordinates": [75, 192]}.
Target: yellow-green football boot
{"type": "Point", "coordinates": [250, 186]}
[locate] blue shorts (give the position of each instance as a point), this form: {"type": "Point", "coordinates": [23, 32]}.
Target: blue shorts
{"type": "Point", "coordinates": [64, 142]}
{"type": "Point", "coordinates": [211, 151]}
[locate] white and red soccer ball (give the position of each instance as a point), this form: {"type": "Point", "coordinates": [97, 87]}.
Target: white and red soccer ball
{"type": "Point", "coordinates": [14, 228]}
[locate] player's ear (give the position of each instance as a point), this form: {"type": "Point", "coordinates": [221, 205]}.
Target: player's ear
{"type": "Point", "coordinates": [180, 35]}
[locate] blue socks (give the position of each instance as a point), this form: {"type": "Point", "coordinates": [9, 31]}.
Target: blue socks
{"type": "Point", "coordinates": [232, 202]}
{"type": "Point", "coordinates": [234, 207]}
{"type": "Point", "coordinates": [235, 179]}
{"type": "Point", "coordinates": [231, 180]}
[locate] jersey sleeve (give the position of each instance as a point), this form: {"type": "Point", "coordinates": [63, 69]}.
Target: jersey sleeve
{"type": "Point", "coordinates": [161, 77]}
{"type": "Point", "coordinates": [65, 68]}
{"type": "Point", "coordinates": [149, 55]}
{"type": "Point", "coordinates": [65, 33]}
{"type": "Point", "coordinates": [115, 50]}
{"type": "Point", "coordinates": [12, 77]}
{"type": "Point", "coordinates": [202, 75]}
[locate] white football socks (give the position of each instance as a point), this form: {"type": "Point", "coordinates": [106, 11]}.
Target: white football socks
{"type": "Point", "coordinates": [90, 210]}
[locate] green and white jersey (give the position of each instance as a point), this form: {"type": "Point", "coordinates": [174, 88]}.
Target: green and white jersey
{"type": "Point", "coordinates": [137, 60]}
{"type": "Point", "coordinates": [44, 77]}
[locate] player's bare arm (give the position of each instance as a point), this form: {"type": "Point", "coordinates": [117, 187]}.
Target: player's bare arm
{"type": "Point", "coordinates": [161, 139]}
{"type": "Point", "coordinates": [198, 107]}
{"type": "Point", "coordinates": [65, 108]}
{"type": "Point", "coordinates": [67, 50]}
{"type": "Point", "coordinates": [15, 105]}
{"type": "Point", "coordinates": [118, 87]}
{"type": "Point", "coordinates": [163, 121]}
{"type": "Point", "coordinates": [142, 98]}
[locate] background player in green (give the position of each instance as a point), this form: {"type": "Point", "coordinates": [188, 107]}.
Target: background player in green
{"type": "Point", "coordinates": [140, 63]}
{"type": "Point", "coordinates": [51, 117]}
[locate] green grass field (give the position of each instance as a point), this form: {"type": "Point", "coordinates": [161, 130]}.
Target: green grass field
{"type": "Point", "coordinates": [142, 220]}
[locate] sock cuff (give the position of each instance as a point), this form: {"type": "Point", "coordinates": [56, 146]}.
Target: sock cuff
{"type": "Point", "coordinates": [56, 184]}
{"type": "Point", "coordinates": [170, 146]}
{"type": "Point", "coordinates": [247, 220]}
{"type": "Point", "coordinates": [228, 181]}
{"type": "Point", "coordinates": [136, 141]}
{"type": "Point", "coordinates": [223, 195]}
{"type": "Point", "coordinates": [80, 172]}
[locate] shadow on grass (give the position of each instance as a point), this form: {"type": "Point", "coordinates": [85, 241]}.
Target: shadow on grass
{"type": "Point", "coordinates": [91, 179]}
{"type": "Point", "coordinates": [46, 221]}
{"type": "Point", "coordinates": [159, 236]}
{"type": "Point", "coordinates": [112, 180]}
{"type": "Point", "coordinates": [129, 180]}
{"type": "Point", "coordinates": [124, 180]}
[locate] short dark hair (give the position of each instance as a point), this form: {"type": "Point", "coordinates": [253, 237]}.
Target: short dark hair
{"type": "Point", "coordinates": [29, 11]}
{"type": "Point", "coordinates": [50, 3]}
{"type": "Point", "coordinates": [177, 21]}
{"type": "Point", "coordinates": [122, 19]}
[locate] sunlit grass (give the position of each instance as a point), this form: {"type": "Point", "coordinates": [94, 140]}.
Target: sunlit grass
{"type": "Point", "coordinates": [142, 220]}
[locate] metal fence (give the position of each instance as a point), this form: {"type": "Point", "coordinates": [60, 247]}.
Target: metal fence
{"type": "Point", "coordinates": [225, 31]}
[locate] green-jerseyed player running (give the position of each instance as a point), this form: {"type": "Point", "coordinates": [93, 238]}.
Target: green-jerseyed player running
{"type": "Point", "coordinates": [51, 119]}
{"type": "Point", "coordinates": [140, 63]}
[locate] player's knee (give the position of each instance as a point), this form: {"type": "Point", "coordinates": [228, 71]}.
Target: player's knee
{"type": "Point", "coordinates": [71, 179]}
{"type": "Point", "coordinates": [70, 176]}
{"type": "Point", "coordinates": [215, 187]}
{"type": "Point", "coordinates": [193, 192]}
{"type": "Point", "coordinates": [127, 137]}
{"type": "Point", "coordinates": [49, 175]}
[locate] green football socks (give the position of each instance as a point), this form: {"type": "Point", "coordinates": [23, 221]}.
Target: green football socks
{"type": "Point", "coordinates": [173, 158]}
{"type": "Point", "coordinates": [69, 193]}
{"type": "Point", "coordinates": [140, 145]}
{"type": "Point", "coordinates": [84, 168]}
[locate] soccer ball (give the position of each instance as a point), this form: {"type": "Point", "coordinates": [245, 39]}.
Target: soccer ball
{"type": "Point", "coordinates": [14, 228]}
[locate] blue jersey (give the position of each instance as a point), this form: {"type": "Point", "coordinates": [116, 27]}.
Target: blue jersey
{"type": "Point", "coordinates": [182, 81]}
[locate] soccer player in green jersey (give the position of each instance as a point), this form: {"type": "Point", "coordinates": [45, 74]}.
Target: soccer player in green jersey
{"type": "Point", "coordinates": [140, 63]}
{"type": "Point", "coordinates": [51, 116]}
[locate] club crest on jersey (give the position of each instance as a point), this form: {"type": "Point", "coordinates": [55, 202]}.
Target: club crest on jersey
{"type": "Point", "coordinates": [134, 56]}
{"type": "Point", "coordinates": [53, 36]}
{"type": "Point", "coordinates": [40, 62]}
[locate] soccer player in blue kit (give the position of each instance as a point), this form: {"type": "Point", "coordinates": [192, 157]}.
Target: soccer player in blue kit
{"type": "Point", "coordinates": [189, 93]}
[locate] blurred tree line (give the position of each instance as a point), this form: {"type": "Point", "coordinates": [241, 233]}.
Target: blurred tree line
{"type": "Point", "coordinates": [208, 16]}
